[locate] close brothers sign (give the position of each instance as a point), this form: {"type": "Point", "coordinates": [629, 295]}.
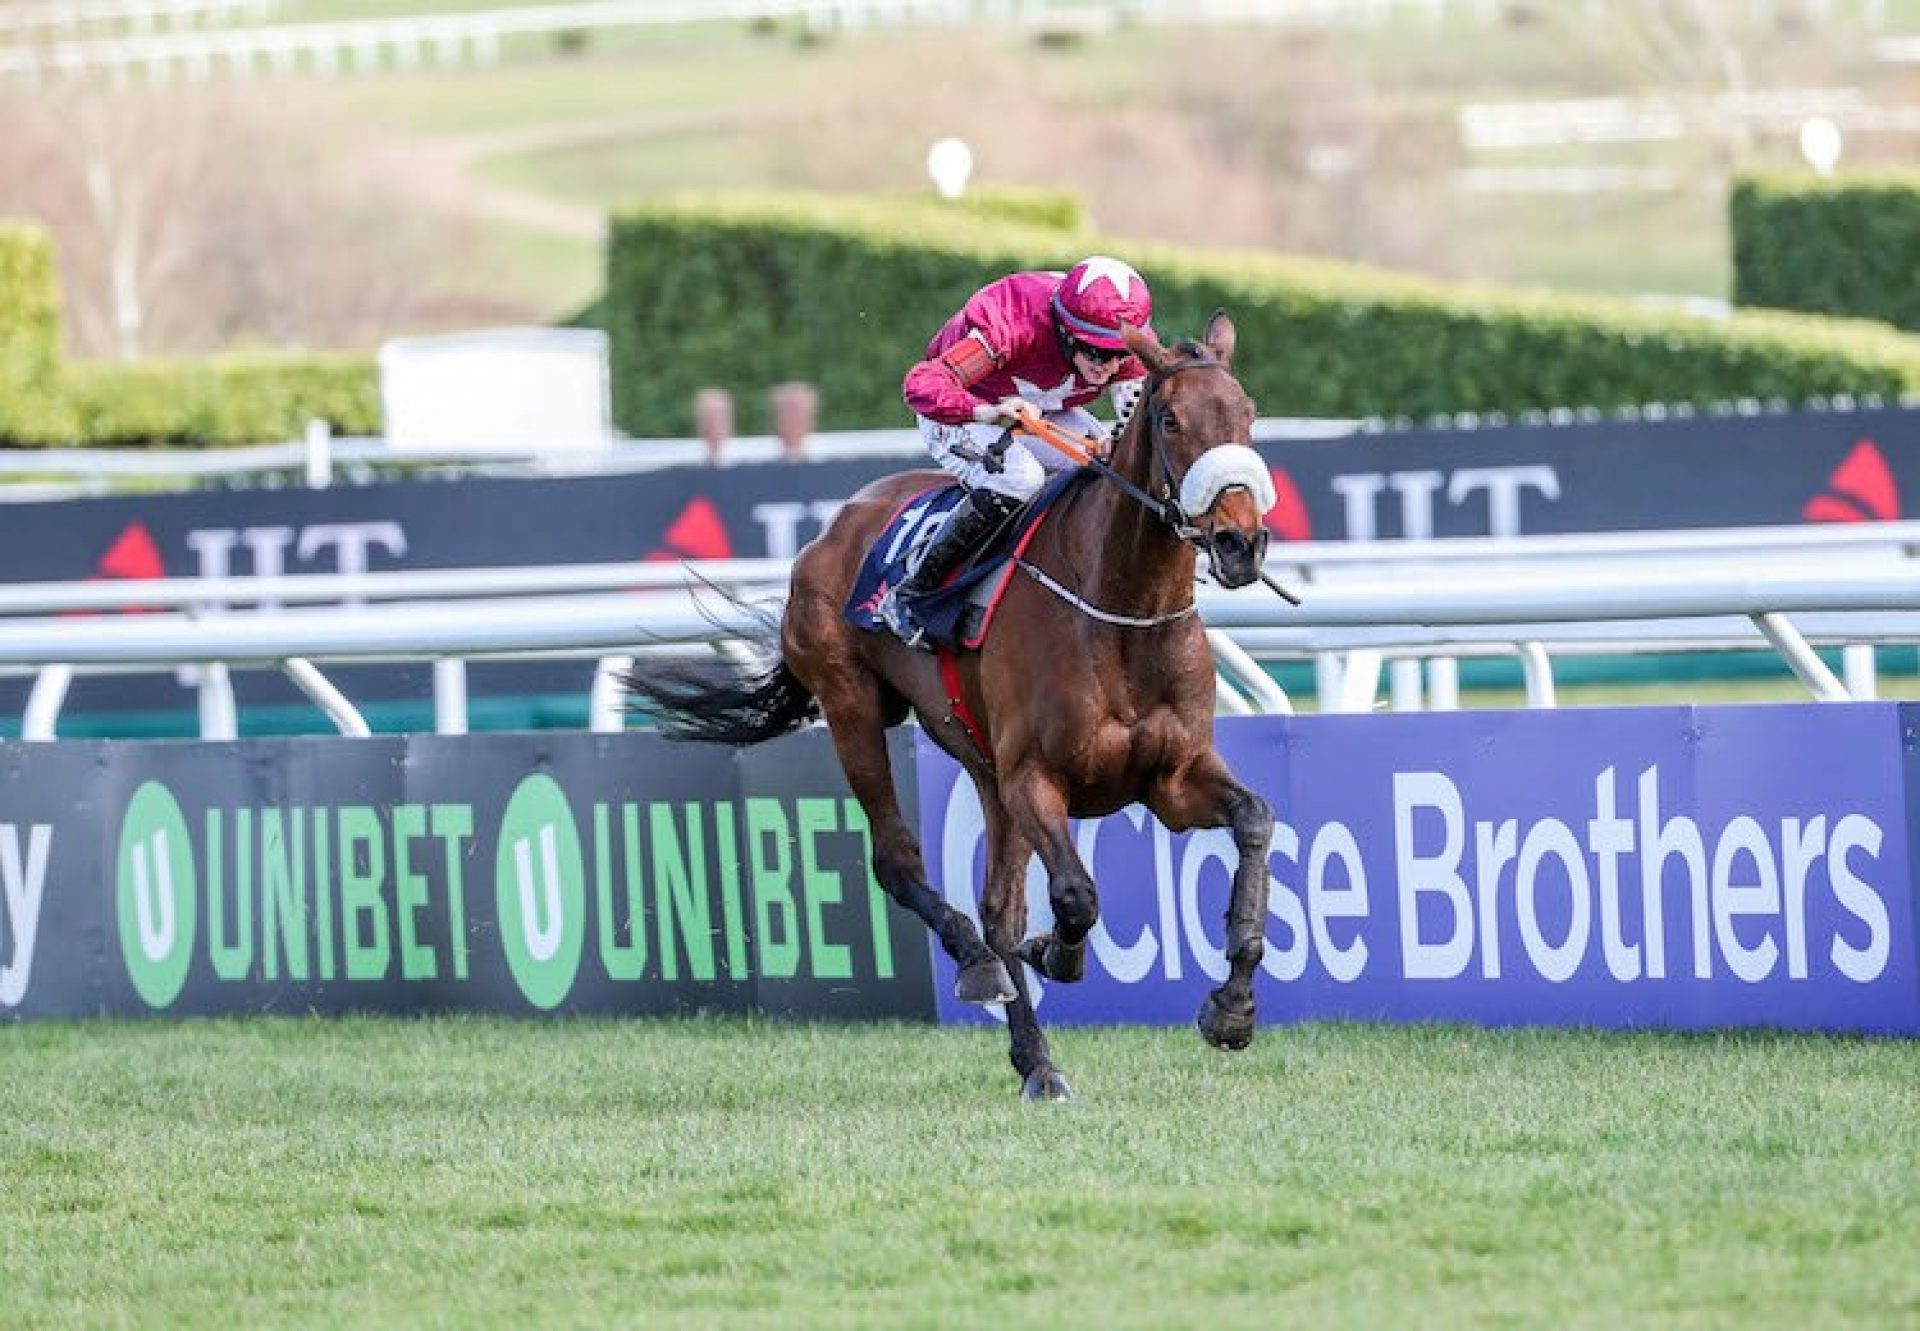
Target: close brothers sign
{"type": "Point", "coordinates": [1683, 867]}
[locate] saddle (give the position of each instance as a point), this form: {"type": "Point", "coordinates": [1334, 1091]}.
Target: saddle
{"type": "Point", "coordinates": [959, 613]}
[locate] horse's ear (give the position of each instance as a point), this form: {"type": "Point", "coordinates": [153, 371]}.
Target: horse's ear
{"type": "Point", "coordinates": [1146, 346]}
{"type": "Point", "coordinates": [1220, 337]}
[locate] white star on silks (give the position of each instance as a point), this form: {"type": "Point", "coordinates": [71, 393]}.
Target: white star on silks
{"type": "Point", "coordinates": [1113, 270]}
{"type": "Point", "coordinates": [1047, 399]}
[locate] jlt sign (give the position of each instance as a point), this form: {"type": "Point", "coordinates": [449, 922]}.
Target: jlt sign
{"type": "Point", "coordinates": [270, 551]}
{"type": "Point", "coordinates": [1503, 491]}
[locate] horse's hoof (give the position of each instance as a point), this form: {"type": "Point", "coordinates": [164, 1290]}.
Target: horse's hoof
{"type": "Point", "coordinates": [1045, 1084]}
{"type": "Point", "coordinates": [985, 981]}
{"type": "Point", "coordinates": [1054, 959]}
{"type": "Point", "coordinates": [1225, 1027]}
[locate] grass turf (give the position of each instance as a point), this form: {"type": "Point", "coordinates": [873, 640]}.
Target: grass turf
{"type": "Point", "coordinates": [479, 1172]}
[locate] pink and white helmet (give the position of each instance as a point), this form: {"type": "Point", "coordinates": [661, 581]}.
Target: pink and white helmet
{"type": "Point", "coordinates": [1097, 295]}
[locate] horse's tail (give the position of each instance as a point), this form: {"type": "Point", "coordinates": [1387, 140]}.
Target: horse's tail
{"type": "Point", "coordinates": [722, 701]}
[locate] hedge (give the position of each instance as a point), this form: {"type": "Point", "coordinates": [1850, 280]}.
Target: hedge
{"type": "Point", "coordinates": [1829, 246]}
{"type": "Point", "coordinates": [29, 330]}
{"type": "Point", "coordinates": [745, 291]}
{"type": "Point", "coordinates": [225, 401]}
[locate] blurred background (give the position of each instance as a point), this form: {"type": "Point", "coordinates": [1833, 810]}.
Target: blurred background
{"type": "Point", "coordinates": [319, 174]}
{"type": "Point", "coordinates": [1499, 267]}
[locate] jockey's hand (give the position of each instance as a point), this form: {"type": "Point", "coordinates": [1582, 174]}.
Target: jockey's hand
{"type": "Point", "coordinates": [1006, 412]}
{"type": "Point", "coordinates": [1102, 441]}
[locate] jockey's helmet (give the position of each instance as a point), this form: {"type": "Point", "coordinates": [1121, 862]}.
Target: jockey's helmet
{"type": "Point", "coordinates": [1097, 295]}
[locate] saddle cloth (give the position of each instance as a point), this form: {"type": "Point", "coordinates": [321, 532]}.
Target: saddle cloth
{"type": "Point", "coordinates": [958, 614]}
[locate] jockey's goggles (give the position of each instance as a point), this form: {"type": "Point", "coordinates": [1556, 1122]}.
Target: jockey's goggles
{"type": "Point", "coordinates": [1099, 355]}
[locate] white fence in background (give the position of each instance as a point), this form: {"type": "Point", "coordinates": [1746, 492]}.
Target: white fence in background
{"type": "Point", "coordinates": [477, 36]}
{"type": "Point", "coordinates": [1402, 611]}
{"type": "Point", "coordinates": [74, 16]}
{"type": "Point", "coordinates": [408, 42]}
{"type": "Point", "coordinates": [1499, 126]}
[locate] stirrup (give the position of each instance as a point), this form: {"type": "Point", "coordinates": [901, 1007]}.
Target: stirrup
{"type": "Point", "coordinates": [900, 621]}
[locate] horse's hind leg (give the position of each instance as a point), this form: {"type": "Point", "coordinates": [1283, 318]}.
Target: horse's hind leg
{"type": "Point", "coordinates": [1207, 795]}
{"type": "Point", "coordinates": [853, 713]}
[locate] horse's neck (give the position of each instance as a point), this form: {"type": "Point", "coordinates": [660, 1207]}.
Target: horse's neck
{"type": "Point", "coordinates": [1134, 563]}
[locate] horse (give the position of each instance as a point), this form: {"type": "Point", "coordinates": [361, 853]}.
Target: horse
{"type": "Point", "coordinates": [1093, 690]}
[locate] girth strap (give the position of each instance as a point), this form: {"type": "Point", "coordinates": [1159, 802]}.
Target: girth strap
{"type": "Point", "coordinates": [957, 709]}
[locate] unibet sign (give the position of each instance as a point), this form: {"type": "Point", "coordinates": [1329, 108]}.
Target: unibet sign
{"type": "Point", "coordinates": [355, 903]}
{"type": "Point", "coordinates": [156, 895]}
{"type": "Point", "coordinates": [300, 894]}
{"type": "Point", "coordinates": [540, 887]}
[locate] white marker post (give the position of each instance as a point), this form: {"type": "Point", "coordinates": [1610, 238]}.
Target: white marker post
{"type": "Point", "coordinates": [950, 163]}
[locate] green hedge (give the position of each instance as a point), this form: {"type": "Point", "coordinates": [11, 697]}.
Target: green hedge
{"type": "Point", "coordinates": [746, 291]}
{"type": "Point", "coordinates": [1843, 247]}
{"type": "Point", "coordinates": [29, 331]}
{"type": "Point", "coordinates": [29, 301]}
{"type": "Point", "coordinates": [227, 401]}
{"type": "Point", "coordinates": [206, 404]}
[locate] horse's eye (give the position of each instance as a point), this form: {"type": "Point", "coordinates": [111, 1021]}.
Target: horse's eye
{"type": "Point", "coordinates": [1170, 423]}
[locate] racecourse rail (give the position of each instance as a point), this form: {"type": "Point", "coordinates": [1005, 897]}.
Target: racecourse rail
{"type": "Point", "coordinates": [1408, 609]}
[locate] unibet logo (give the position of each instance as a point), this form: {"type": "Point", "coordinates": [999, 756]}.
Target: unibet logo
{"type": "Point", "coordinates": [540, 881]}
{"type": "Point", "coordinates": [156, 894]}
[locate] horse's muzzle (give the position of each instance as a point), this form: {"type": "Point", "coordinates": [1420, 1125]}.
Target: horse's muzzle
{"type": "Point", "coordinates": [1235, 557]}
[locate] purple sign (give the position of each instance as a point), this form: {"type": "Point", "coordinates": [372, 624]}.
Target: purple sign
{"type": "Point", "coordinates": [1688, 867]}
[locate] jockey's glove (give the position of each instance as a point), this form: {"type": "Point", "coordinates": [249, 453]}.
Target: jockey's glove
{"type": "Point", "coordinates": [1006, 412]}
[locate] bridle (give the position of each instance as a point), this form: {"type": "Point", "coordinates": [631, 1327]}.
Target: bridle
{"type": "Point", "coordinates": [1166, 505]}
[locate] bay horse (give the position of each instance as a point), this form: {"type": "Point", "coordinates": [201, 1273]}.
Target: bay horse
{"type": "Point", "coordinates": [1093, 690]}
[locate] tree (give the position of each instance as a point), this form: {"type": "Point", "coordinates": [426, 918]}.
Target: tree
{"type": "Point", "coordinates": [190, 220]}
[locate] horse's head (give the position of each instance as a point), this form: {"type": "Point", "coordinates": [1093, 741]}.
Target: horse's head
{"type": "Point", "coordinates": [1197, 424]}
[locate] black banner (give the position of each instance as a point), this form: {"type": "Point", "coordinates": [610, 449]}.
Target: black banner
{"type": "Point", "coordinates": [1602, 476]}
{"type": "Point", "coordinates": [1720, 471]}
{"type": "Point", "coordinates": [560, 873]}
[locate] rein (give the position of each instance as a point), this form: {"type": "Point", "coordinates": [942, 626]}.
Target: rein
{"type": "Point", "coordinates": [1165, 507]}
{"type": "Point", "coordinates": [1092, 611]}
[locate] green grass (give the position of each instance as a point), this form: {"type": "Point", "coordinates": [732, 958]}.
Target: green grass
{"type": "Point", "coordinates": [517, 265]}
{"type": "Point", "coordinates": [608, 174]}
{"type": "Point", "coordinates": [669, 74]}
{"type": "Point", "coordinates": [472, 1172]}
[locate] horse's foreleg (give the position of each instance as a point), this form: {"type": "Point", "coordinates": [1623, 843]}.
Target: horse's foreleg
{"type": "Point", "coordinates": [1207, 795]}
{"type": "Point", "coordinates": [1038, 810]}
{"type": "Point", "coordinates": [853, 716]}
{"type": "Point", "coordinates": [1003, 910]}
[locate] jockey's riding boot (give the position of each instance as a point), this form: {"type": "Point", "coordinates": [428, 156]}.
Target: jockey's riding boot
{"type": "Point", "coordinates": [972, 521]}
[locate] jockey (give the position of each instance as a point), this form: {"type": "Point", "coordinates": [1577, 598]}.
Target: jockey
{"type": "Point", "coordinates": [1040, 341]}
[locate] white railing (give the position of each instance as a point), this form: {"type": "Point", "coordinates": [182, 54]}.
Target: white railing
{"type": "Point", "coordinates": [1497, 126]}
{"type": "Point", "coordinates": [1387, 606]}
{"type": "Point", "coordinates": [449, 38]}
{"type": "Point", "coordinates": [138, 15]}
{"type": "Point", "coordinates": [408, 41]}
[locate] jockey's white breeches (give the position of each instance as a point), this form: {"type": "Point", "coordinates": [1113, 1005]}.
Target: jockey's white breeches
{"type": "Point", "coordinates": [1026, 464]}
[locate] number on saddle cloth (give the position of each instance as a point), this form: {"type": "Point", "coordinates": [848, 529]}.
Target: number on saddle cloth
{"type": "Point", "coordinates": [945, 613]}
